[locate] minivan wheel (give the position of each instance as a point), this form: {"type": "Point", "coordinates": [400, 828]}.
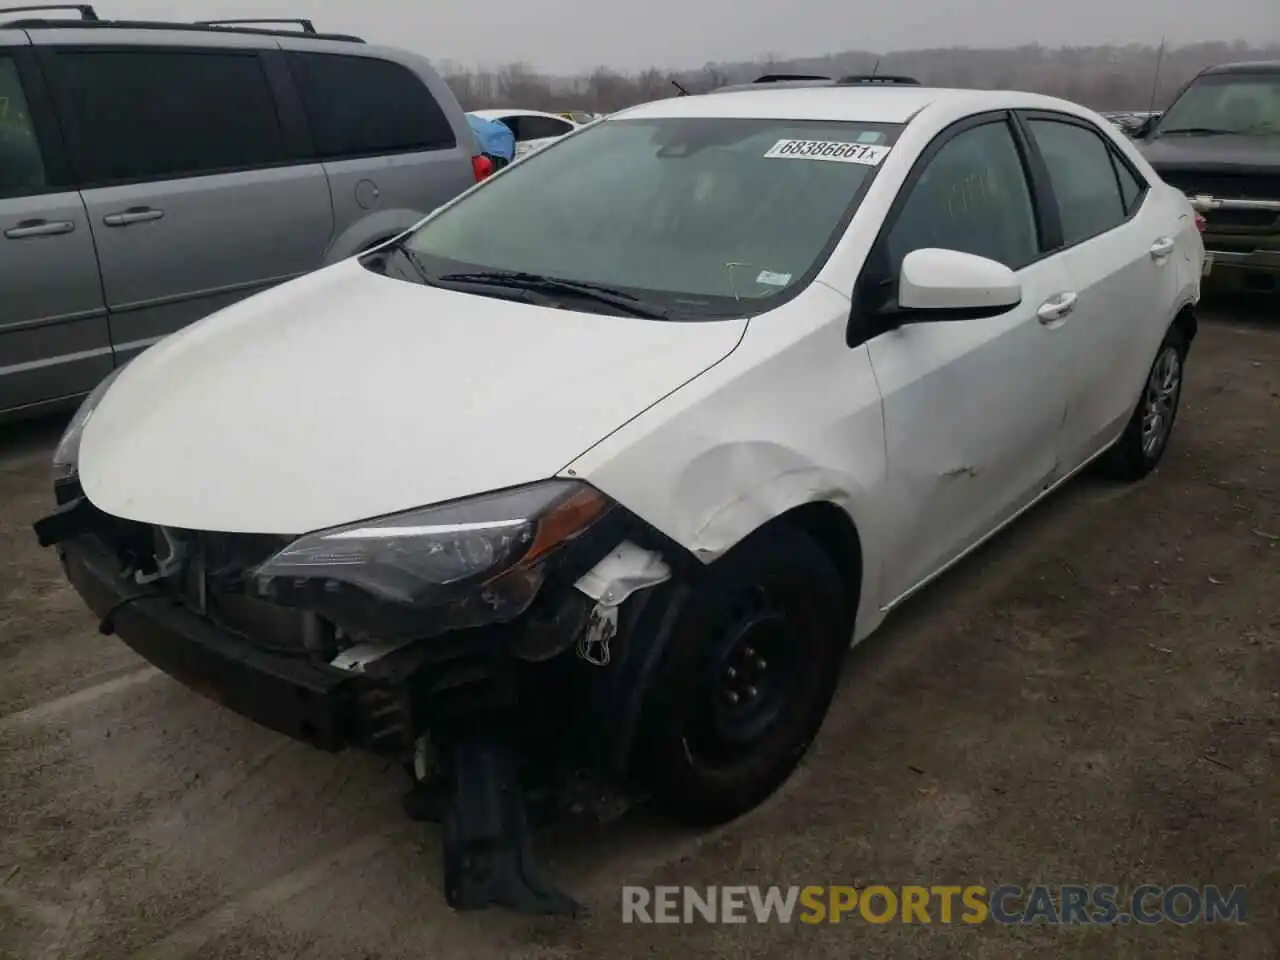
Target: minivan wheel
{"type": "Point", "coordinates": [745, 680]}
{"type": "Point", "coordinates": [1145, 439]}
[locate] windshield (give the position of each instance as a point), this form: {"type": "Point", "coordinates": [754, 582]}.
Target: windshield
{"type": "Point", "coordinates": [1240, 103]}
{"type": "Point", "coordinates": [698, 217]}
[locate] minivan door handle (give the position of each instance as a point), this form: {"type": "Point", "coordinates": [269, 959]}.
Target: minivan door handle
{"type": "Point", "coordinates": [132, 215]}
{"type": "Point", "coordinates": [27, 229]}
{"type": "Point", "coordinates": [1162, 248]}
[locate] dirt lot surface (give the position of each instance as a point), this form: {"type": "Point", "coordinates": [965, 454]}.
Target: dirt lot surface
{"type": "Point", "coordinates": [1093, 698]}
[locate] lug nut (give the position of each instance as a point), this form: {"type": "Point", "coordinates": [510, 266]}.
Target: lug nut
{"type": "Point", "coordinates": [731, 673]}
{"type": "Point", "coordinates": [760, 664]}
{"type": "Point", "coordinates": [751, 693]}
{"type": "Point", "coordinates": [733, 696]}
{"type": "Point", "coordinates": [748, 653]}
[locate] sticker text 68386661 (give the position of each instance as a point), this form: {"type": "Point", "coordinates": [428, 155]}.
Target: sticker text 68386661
{"type": "Point", "coordinates": [837, 151]}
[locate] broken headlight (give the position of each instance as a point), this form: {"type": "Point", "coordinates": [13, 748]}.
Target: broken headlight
{"type": "Point", "coordinates": [66, 458]}
{"type": "Point", "coordinates": [460, 564]}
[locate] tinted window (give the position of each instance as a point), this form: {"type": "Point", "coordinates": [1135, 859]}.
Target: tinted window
{"type": "Point", "coordinates": [21, 167]}
{"type": "Point", "coordinates": [1083, 179]}
{"type": "Point", "coordinates": [973, 197]}
{"type": "Point", "coordinates": [360, 106]}
{"type": "Point", "coordinates": [150, 114]}
{"type": "Point", "coordinates": [1242, 103]}
{"type": "Point", "coordinates": [535, 128]}
{"type": "Point", "coordinates": [1131, 188]}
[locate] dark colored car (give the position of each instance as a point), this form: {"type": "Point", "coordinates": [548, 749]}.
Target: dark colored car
{"type": "Point", "coordinates": [1220, 144]}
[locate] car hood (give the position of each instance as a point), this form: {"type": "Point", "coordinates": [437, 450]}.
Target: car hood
{"type": "Point", "coordinates": [347, 395]}
{"type": "Point", "coordinates": [1221, 154]}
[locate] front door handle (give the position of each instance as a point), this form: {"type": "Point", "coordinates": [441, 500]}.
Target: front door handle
{"type": "Point", "coordinates": [27, 229]}
{"type": "Point", "coordinates": [1162, 248]}
{"type": "Point", "coordinates": [1055, 308]}
{"type": "Point", "coordinates": [132, 215]}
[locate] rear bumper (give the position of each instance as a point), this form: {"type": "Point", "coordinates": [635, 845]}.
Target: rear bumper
{"type": "Point", "coordinates": [315, 703]}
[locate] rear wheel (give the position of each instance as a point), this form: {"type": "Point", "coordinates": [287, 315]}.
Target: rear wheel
{"type": "Point", "coordinates": [746, 679]}
{"type": "Point", "coordinates": [1145, 439]}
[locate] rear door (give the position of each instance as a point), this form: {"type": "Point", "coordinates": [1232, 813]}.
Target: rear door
{"type": "Point", "coordinates": [53, 325]}
{"type": "Point", "coordinates": [1119, 245]}
{"type": "Point", "coordinates": [533, 132]}
{"type": "Point", "coordinates": [196, 195]}
{"type": "Point", "coordinates": [388, 145]}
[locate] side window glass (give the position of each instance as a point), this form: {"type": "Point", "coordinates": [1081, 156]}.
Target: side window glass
{"type": "Point", "coordinates": [536, 128]}
{"type": "Point", "coordinates": [1083, 179]}
{"type": "Point", "coordinates": [1131, 188]}
{"type": "Point", "coordinates": [972, 197]}
{"type": "Point", "coordinates": [363, 106]}
{"type": "Point", "coordinates": [150, 114]}
{"type": "Point", "coordinates": [21, 166]}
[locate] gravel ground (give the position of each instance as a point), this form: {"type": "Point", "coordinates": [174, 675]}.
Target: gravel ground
{"type": "Point", "coordinates": [1093, 698]}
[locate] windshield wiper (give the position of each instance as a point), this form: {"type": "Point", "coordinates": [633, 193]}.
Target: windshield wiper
{"type": "Point", "coordinates": [1197, 131]}
{"type": "Point", "coordinates": [541, 283]}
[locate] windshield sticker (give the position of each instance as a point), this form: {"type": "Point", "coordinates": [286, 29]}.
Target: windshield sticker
{"type": "Point", "coordinates": [773, 279]}
{"type": "Point", "coordinates": [838, 151]}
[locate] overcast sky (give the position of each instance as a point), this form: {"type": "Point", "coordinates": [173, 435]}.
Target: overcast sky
{"type": "Point", "coordinates": [564, 36]}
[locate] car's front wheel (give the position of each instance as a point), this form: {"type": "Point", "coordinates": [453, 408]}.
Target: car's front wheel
{"type": "Point", "coordinates": [746, 678]}
{"type": "Point", "coordinates": [1145, 439]}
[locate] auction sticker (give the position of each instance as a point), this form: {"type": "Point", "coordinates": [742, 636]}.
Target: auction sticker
{"type": "Point", "coordinates": [837, 151]}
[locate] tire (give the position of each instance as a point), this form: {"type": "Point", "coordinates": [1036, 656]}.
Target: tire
{"type": "Point", "coordinates": [773, 610]}
{"type": "Point", "coordinates": [1138, 451]}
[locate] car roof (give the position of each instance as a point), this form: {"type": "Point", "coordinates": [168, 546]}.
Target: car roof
{"type": "Point", "coordinates": [1245, 66]}
{"type": "Point", "coordinates": [494, 114]}
{"type": "Point", "coordinates": [889, 103]}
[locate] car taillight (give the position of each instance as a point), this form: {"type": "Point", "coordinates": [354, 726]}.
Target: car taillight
{"type": "Point", "coordinates": [481, 166]}
{"type": "Point", "coordinates": [1200, 222]}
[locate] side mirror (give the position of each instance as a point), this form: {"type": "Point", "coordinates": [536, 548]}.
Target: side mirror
{"type": "Point", "coordinates": [1141, 130]}
{"type": "Point", "coordinates": [938, 284]}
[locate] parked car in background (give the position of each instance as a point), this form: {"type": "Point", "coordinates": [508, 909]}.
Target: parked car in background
{"type": "Point", "coordinates": [533, 129]}
{"type": "Point", "coordinates": [1219, 142]}
{"type": "Point", "coordinates": [580, 117]}
{"type": "Point", "coordinates": [152, 173]}
{"type": "Point", "coordinates": [632, 493]}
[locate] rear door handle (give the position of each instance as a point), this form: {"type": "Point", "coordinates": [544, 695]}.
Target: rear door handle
{"type": "Point", "coordinates": [39, 228]}
{"type": "Point", "coordinates": [1162, 248]}
{"type": "Point", "coordinates": [132, 215]}
{"type": "Point", "coordinates": [1057, 307]}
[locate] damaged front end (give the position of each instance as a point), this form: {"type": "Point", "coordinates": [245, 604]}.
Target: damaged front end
{"type": "Point", "coordinates": [497, 646]}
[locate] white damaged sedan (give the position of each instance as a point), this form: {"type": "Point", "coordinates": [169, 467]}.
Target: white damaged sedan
{"type": "Point", "coordinates": [604, 465]}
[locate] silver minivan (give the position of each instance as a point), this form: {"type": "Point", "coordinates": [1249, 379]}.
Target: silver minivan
{"type": "Point", "coordinates": [152, 173]}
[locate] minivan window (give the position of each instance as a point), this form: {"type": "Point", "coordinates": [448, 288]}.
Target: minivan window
{"type": "Point", "coordinates": [136, 115]}
{"type": "Point", "coordinates": [363, 106]}
{"type": "Point", "coordinates": [705, 216]}
{"type": "Point", "coordinates": [21, 165]}
{"type": "Point", "coordinates": [1083, 178]}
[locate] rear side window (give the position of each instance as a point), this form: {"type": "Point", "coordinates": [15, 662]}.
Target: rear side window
{"type": "Point", "coordinates": [536, 128]}
{"type": "Point", "coordinates": [1083, 178]}
{"type": "Point", "coordinates": [141, 115]}
{"type": "Point", "coordinates": [362, 106]}
{"type": "Point", "coordinates": [21, 166]}
{"type": "Point", "coordinates": [1131, 188]}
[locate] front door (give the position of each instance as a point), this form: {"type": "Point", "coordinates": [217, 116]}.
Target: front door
{"type": "Point", "coordinates": [972, 408]}
{"type": "Point", "coordinates": [53, 325]}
